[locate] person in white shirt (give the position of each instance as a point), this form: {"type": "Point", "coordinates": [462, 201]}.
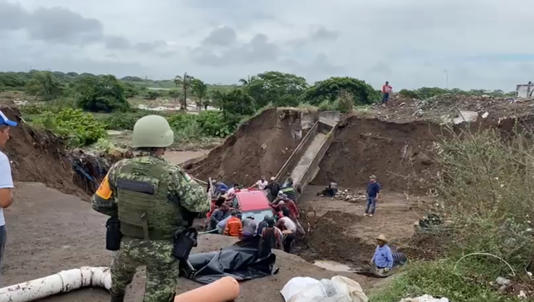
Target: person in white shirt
{"type": "Point", "coordinates": [6, 180]}
{"type": "Point", "coordinates": [262, 183]}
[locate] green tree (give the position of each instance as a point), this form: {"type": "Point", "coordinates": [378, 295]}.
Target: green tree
{"type": "Point", "coordinates": [99, 93]}
{"type": "Point", "coordinates": [409, 94]}
{"type": "Point", "coordinates": [282, 89]}
{"type": "Point", "coordinates": [153, 94]}
{"type": "Point", "coordinates": [13, 80]}
{"type": "Point", "coordinates": [329, 89]}
{"type": "Point", "coordinates": [236, 105]}
{"type": "Point", "coordinates": [216, 96]}
{"type": "Point", "coordinates": [130, 90]}
{"type": "Point", "coordinates": [174, 94]}
{"type": "Point", "coordinates": [428, 92]}
{"type": "Point", "coordinates": [185, 83]}
{"type": "Point", "coordinates": [44, 85]}
{"type": "Point", "coordinates": [199, 90]}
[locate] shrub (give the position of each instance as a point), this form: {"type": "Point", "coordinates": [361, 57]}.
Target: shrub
{"type": "Point", "coordinates": [212, 123]}
{"type": "Point", "coordinates": [330, 89]}
{"type": "Point", "coordinates": [78, 128]}
{"type": "Point", "coordinates": [123, 120]}
{"type": "Point", "coordinates": [44, 85]}
{"type": "Point", "coordinates": [345, 101]}
{"type": "Point", "coordinates": [486, 187]}
{"type": "Point", "coordinates": [326, 105]}
{"type": "Point", "coordinates": [153, 94]}
{"type": "Point", "coordinates": [409, 94]}
{"type": "Point", "coordinates": [439, 279]}
{"type": "Point", "coordinates": [99, 93]}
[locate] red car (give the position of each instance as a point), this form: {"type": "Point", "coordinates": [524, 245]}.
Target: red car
{"type": "Point", "coordinates": [253, 203]}
{"type": "Point", "coordinates": [250, 203]}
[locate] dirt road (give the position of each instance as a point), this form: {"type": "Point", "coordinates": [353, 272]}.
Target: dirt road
{"type": "Point", "coordinates": [49, 231]}
{"type": "Point", "coordinates": [178, 157]}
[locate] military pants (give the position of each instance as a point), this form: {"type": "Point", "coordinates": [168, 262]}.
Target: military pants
{"type": "Point", "coordinates": [162, 268]}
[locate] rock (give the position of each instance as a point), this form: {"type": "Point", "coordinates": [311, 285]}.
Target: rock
{"type": "Point", "coordinates": [466, 116]}
{"type": "Point", "coordinates": [522, 295]}
{"type": "Point", "coordinates": [425, 298]}
{"type": "Point", "coordinates": [503, 281]}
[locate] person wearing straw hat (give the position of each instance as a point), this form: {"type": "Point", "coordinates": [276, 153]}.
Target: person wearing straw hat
{"type": "Point", "coordinates": [382, 260]}
{"type": "Point", "coordinates": [373, 190]}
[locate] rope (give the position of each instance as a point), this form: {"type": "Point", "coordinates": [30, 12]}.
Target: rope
{"type": "Point", "coordinates": [484, 254]}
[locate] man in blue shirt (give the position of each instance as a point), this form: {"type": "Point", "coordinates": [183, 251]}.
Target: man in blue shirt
{"type": "Point", "coordinates": [382, 260]}
{"type": "Point", "coordinates": [373, 189]}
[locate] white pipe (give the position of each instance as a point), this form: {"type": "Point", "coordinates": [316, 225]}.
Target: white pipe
{"type": "Point", "coordinates": [62, 282]}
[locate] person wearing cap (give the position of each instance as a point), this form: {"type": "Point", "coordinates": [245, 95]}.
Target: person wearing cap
{"type": "Point", "coordinates": [373, 190]}
{"type": "Point", "coordinates": [382, 260]}
{"type": "Point", "coordinates": [6, 180]}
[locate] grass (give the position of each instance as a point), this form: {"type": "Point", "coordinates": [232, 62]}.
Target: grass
{"type": "Point", "coordinates": [439, 279]}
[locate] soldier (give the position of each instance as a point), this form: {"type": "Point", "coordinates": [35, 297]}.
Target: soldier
{"type": "Point", "coordinates": [153, 200]}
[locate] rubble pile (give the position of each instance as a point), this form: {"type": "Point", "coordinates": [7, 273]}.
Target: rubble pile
{"type": "Point", "coordinates": [446, 107]}
{"type": "Point", "coordinates": [347, 195]}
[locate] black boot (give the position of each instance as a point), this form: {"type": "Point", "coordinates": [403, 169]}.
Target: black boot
{"type": "Point", "coordinates": [117, 298]}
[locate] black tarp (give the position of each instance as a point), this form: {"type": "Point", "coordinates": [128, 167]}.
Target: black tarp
{"type": "Point", "coordinates": [239, 262]}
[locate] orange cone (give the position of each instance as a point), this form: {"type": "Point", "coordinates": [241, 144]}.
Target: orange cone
{"type": "Point", "coordinates": [222, 290]}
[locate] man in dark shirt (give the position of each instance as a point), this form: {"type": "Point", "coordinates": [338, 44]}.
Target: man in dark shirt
{"type": "Point", "coordinates": [272, 188]}
{"type": "Point", "coordinates": [373, 190]}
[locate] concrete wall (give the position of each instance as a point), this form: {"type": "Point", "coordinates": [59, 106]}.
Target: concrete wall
{"type": "Point", "coordinates": [525, 91]}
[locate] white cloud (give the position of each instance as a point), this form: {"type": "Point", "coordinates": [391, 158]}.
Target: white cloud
{"type": "Point", "coordinates": [481, 43]}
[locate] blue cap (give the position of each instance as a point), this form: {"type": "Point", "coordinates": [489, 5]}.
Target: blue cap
{"type": "Point", "coordinates": [5, 121]}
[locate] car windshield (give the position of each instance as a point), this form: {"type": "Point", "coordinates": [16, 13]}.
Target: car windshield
{"type": "Point", "coordinates": [259, 215]}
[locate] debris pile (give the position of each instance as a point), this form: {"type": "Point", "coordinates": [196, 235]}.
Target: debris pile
{"type": "Point", "coordinates": [446, 107]}
{"type": "Point", "coordinates": [349, 196]}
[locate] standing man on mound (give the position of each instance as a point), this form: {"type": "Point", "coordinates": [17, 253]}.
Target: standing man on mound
{"type": "Point", "coordinates": [153, 202]}
{"type": "Point", "coordinates": [373, 190]}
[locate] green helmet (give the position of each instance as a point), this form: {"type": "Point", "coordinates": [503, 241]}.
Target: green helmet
{"type": "Point", "coordinates": [152, 131]}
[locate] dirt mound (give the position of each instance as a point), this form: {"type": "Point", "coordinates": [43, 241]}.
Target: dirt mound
{"type": "Point", "coordinates": [337, 245]}
{"type": "Point", "coordinates": [400, 154]}
{"type": "Point", "coordinates": [259, 147]}
{"type": "Point", "coordinates": [38, 156]}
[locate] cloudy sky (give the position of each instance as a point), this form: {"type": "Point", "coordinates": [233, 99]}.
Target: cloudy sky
{"type": "Point", "coordinates": [486, 44]}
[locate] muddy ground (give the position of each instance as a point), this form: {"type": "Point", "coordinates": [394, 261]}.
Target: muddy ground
{"type": "Point", "coordinates": [351, 236]}
{"type": "Point", "coordinates": [49, 231]}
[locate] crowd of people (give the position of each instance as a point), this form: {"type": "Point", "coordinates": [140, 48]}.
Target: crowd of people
{"type": "Point", "coordinates": [277, 230]}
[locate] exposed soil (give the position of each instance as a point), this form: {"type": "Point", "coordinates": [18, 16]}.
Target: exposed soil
{"type": "Point", "coordinates": [38, 156]}
{"type": "Point", "coordinates": [400, 154]}
{"type": "Point", "coordinates": [259, 147]}
{"type": "Point", "coordinates": [337, 229]}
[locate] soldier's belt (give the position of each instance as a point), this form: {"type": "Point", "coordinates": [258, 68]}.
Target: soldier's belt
{"type": "Point", "coordinates": [137, 232]}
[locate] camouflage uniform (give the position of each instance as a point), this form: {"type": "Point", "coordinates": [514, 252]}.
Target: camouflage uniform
{"type": "Point", "coordinates": [132, 183]}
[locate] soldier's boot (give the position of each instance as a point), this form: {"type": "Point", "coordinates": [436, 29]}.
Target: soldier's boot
{"type": "Point", "coordinates": [117, 298]}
